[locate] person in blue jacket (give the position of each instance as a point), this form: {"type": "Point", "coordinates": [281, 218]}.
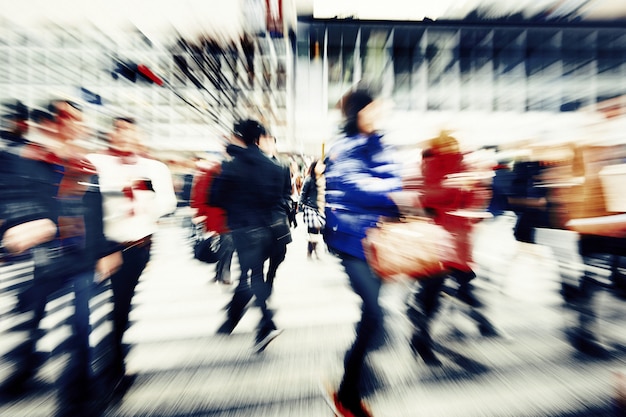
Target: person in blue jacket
{"type": "Point", "coordinates": [361, 177]}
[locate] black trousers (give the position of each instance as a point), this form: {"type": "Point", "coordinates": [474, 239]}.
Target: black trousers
{"type": "Point", "coordinates": [123, 284]}
{"type": "Point", "coordinates": [253, 246]}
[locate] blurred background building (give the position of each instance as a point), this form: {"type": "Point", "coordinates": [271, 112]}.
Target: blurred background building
{"type": "Point", "coordinates": [493, 71]}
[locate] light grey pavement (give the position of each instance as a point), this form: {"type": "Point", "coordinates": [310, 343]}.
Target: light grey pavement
{"type": "Point", "coordinates": [183, 369]}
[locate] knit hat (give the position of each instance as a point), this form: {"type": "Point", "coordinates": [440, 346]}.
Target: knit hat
{"type": "Point", "coordinates": [249, 130]}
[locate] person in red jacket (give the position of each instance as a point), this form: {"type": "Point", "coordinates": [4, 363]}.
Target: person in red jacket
{"type": "Point", "coordinates": [445, 195]}
{"type": "Point", "coordinates": [213, 218]}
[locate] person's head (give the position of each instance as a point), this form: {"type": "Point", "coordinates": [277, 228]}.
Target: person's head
{"type": "Point", "coordinates": [360, 112]}
{"type": "Point", "coordinates": [444, 144]}
{"type": "Point", "coordinates": [249, 131]}
{"type": "Point", "coordinates": [124, 138]}
{"type": "Point", "coordinates": [316, 168]}
{"type": "Point", "coordinates": [267, 144]}
{"type": "Point", "coordinates": [68, 119]}
{"type": "Point", "coordinates": [15, 118]}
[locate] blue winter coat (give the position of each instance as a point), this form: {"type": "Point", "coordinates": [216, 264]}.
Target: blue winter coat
{"type": "Point", "coordinates": [360, 173]}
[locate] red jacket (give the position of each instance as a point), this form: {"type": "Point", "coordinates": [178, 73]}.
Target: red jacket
{"type": "Point", "coordinates": [444, 200]}
{"type": "Point", "coordinates": [215, 216]}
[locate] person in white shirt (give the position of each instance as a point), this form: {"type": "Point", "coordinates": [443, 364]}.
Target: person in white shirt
{"type": "Point", "coordinates": [136, 191]}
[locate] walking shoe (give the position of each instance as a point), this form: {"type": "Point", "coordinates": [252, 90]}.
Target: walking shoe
{"type": "Point", "coordinates": [360, 410]}
{"type": "Point", "coordinates": [469, 298]}
{"type": "Point", "coordinates": [226, 328]}
{"type": "Point", "coordinates": [265, 340]}
{"type": "Point", "coordinates": [586, 343]}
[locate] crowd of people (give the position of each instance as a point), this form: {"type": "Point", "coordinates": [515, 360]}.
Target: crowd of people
{"type": "Point", "coordinates": [84, 218]}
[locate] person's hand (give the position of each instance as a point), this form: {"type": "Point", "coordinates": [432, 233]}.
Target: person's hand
{"type": "Point", "coordinates": [408, 202]}
{"type": "Point", "coordinates": [22, 237]}
{"type": "Point", "coordinates": [107, 266]}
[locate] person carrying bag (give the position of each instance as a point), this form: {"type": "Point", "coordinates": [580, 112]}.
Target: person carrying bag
{"type": "Point", "coordinates": [312, 203]}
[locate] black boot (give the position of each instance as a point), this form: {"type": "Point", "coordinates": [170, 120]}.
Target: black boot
{"type": "Point", "coordinates": [585, 342]}
{"type": "Point", "coordinates": [309, 251]}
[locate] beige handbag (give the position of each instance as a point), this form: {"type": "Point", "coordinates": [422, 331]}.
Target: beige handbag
{"type": "Point", "coordinates": [413, 246]}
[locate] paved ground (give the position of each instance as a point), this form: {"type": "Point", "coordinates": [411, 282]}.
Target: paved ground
{"type": "Point", "coordinates": [183, 369]}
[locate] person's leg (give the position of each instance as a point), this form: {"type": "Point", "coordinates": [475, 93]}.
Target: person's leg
{"type": "Point", "coordinates": [465, 289]}
{"type": "Point", "coordinates": [584, 336]}
{"type": "Point", "coordinates": [367, 286]}
{"type": "Point", "coordinates": [31, 307]}
{"type": "Point", "coordinates": [239, 302]}
{"type": "Point", "coordinates": [123, 284]}
{"type": "Point", "coordinates": [258, 254]}
{"type": "Point", "coordinates": [279, 251]}
{"type": "Point", "coordinates": [74, 385]}
{"type": "Point", "coordinates": [222, 267]}
{"type": "Point", "coordinates": [243, 292]}
{"type": "Point", "coordinates": [423, 308]}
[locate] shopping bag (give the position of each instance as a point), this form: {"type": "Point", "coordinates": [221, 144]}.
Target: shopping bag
{"type": "Point", "coordinates": [206, 248]}
{"type": "Point", "coordinates": [415, 247]}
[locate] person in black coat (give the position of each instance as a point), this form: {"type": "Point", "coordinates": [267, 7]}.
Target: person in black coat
{"type": "Point", "coordinates": [267, 144]}
{"type": "Point", "coordinates": [63, 199]}
{"type": "Point", "coordinates": [250, 188]}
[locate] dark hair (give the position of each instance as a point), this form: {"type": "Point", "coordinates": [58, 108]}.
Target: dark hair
{"type": "Point", "coordinates": [351, 104]}
{"type": "Point", "coordinates": [249, 131]}
{"type": "Point", "coordinates": [126, 119]}
{"type": "Point", "coordinates": [15, 110]}
{"type": "Point", "coordinates": [41, 116]}
{"type": "Point", "coordinates": [54, 105]}
{"type": "Point", "coordinates": [311, 170]}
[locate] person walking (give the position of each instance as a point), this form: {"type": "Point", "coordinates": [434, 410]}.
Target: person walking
{"type": "Point", "coordinates": [137, 191]}
{"type": "Point", "coordinates": [250, 188]}
{"type": "Point", "coordinates": [441, 200]}
{"type": "Point", "coordinates": [312, 203]}
{"type": "Point", "coordinates": [361, 176]}
{"type": "Point", "coordinates": [65, 192]}
{"type": "Point", "coordinates": [267, 144]}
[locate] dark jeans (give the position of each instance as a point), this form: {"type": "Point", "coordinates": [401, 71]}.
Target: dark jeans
{"type": "Point", "coordinates": [427, 298]}
{"type": "Point", "coordinates": [123, 284]}
{"type": "Point", "coordinates": [75, 377]}
{"type": "Point", "coordinates": [368, 331]}
{"type": "Point", "coordinates": [279, 251]}
{"type": "Point", "coordinates": [225, 255]}
{"type": "Point", "coordinates": [253, 246]}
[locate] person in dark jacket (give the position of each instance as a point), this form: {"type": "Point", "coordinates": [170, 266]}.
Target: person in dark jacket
{"type": "Point", "coordinates": [250, 189]}
{"type": "Point", "coordinates": [267, 144]}
{"type": "Point", "coordinates": [312, 203]}
{"type": "Point", "coordinates": [361, 176]}
{"type": "Point", "coordinates": [64, 191]}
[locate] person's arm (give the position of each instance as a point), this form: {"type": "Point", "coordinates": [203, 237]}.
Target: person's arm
{"type": "Point", "coordinates": [359, 183]}
{"type": "Point", "coordinates": [21, 237]}
{"type": "Point", "coordinates": [163, 185]}
{"type": "Point", "coordinates": [220, 187]}
{"type": "Point", "coordinates": [26, 216]}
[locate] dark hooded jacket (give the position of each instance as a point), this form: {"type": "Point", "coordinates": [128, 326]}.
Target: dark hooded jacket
{"type": "Point", "coordinates": [250, 187]}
